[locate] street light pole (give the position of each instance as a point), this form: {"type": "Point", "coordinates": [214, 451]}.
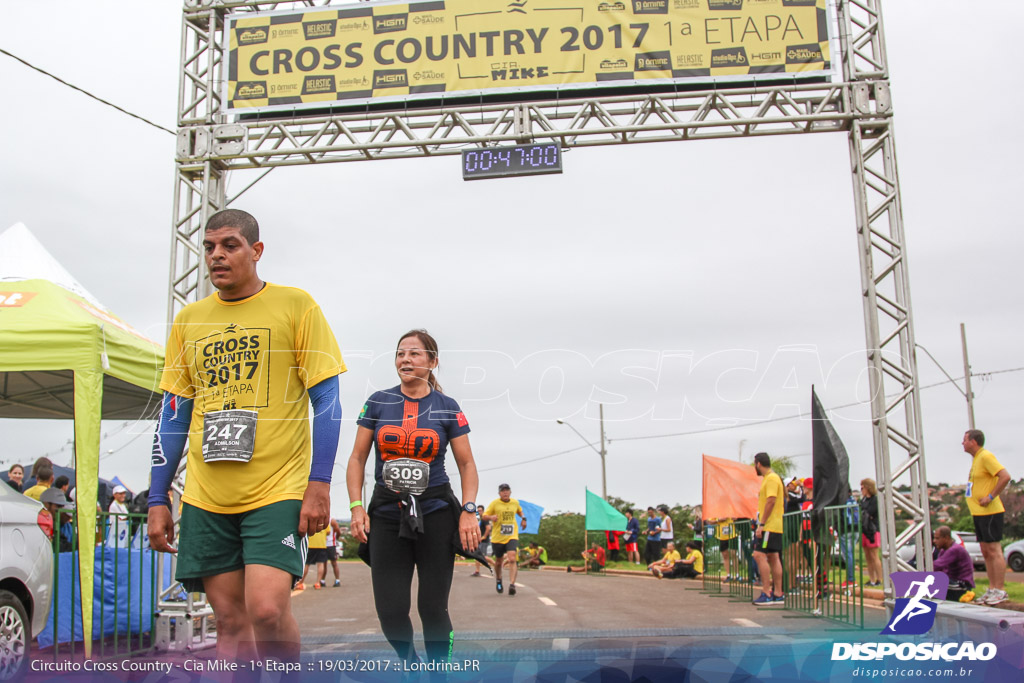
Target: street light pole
{"type": "Point", "coordinates": [603, 452]}
{"type": "Point", "coordinates": [604, 484]}
{"type": "Point", "coordinates": [967, 378]}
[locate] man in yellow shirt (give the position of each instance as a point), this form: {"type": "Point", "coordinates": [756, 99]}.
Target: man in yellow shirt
{"type": "Point", "coordinates": [985, 482]}
{"type": "Point", "coordinates": [725, 532]}
{"type": "Point", "coordinates": [241, 369]}
{"type": "Point", "coordinates": [502, 513]}
{"type": "Point", "coordinates": [667, 561]}
{"type": "Point", "coordinates": [768, 535]}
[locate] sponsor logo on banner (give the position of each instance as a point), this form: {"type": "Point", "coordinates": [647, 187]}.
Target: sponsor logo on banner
{"type": "Point", "coordinates": [650, 6]}
{"type": "Point", "coordinates": [804, 54]}
{"type": "Point", "coordinates": [356, 25]}
{"type": "Point", "coordinates": [689, 61]}
{"type": "Point", "coordinates": [766, 56]}
{"type": "Point", "coordinates": [730, 56]}
{"type": "Point", "coordinates": [15, 299]}
{"type": "Point", "coordinates": [251, 90]}
{"type": "Point", "coordinates": [319, 29]}
{"type": "Point", "coordinates": [799, 3]}
{"type": "Point", "coordinates": [686, 4]}
{"type": "Point", "coordinates": [316, 85]}
{"type": "Point", "coordinates": [389, 23]}
{"type": "Point", "coordinates": [427, 19]}
{"type": "Point", "coordinates": [719, 5]}
{"type": "Point", "coordinates": [428, 75]}
{"type": "Point", "coordinates": [611, 7]}
{"type": "Point", "coordinates": [252, 36]}
{"type": "Point", "coordinates": [653, 61]}
{"type": "Point", "coordinates": [914, 614]}
{"type": "Point", "coordinates": [614, 64]}
{"type": "Point", "coordinates": [284, 32]}
{"type": "Point", "coordinates": [390, 78]}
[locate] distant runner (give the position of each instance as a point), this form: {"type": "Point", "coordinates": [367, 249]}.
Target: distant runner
{"type": "Point", "coordinates": [505, 535]}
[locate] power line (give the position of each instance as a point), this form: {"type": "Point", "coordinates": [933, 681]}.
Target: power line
{"type": "Point", "coordinates": [543, 457]}
{"type": "Point", "coordinates": [708, 430]}
{"type": "Point", "coordinates": [85, 92]}
{"type": "Point", "coordinates": [748, 424]}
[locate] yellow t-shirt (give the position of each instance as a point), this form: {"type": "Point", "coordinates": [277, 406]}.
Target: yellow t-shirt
{"type": "Point", "coordinates": [772, 487]}
{"type": "Point", "coordinates": [36, 491]}
{"type": "Point", "coordinates": [983, 479]}
{"type": "Point", "coordinates": [257, 355]}
{"type": "Point", "coordinates": [698, 560]}
{"type": "Point", "coordinates": [505, 528]}
{"type": "Point", "coordinates": [319, 539]}
{"type": "Point", "coordinates": [672, 556]}
{"type": "Point", "coordinates": [726, 530]}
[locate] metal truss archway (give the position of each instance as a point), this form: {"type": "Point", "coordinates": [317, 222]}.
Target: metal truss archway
{"type": "Point", "coordinates": [209, 145]}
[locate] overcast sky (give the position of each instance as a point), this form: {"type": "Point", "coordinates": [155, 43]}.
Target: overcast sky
{"type": "Point", "coordinates": [687, 286]}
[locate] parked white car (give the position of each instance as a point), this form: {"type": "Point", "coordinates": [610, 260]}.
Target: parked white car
{"type": "Point", "coordinates": [1014, 554]}
{"type": "Point", "coordinates": [26, 575]}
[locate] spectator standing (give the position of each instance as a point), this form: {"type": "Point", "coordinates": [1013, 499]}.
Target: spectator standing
{"type": "Point", "coordinates": [986, 481]}
{"type": "Point", "coordinates": [667, 532]}
{"type": "Point", "coordinates": [848, 538]}
{"type": "Point", "coordinates": [630, 538]}
{"type": "Point", "coordinates": [44, 479]}
{"type": "Point", "coordinates": [768, 534]}
{"type": "Point", "coordinates": [652, 551]}
{"type": "Point", "coordinates": [612, 539]}
{"type": "Point", "coordinates": [870, 531]}
{"type": "Point", "coordinates": [15, 475]}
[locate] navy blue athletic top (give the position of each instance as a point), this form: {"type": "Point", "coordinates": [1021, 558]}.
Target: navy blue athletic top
{"type": "Point", "coordinates": [414, 428]}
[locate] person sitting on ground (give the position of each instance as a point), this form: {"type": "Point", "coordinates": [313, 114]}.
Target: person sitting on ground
{"type": "Point", "coordinates": [593, 560]}
{"type": "Point", "coordinates": [690, 568]}
{"type": "Point", "coordinates": [667, 562]}
{"type": "Point", "coordinates": [537, 557]}
{"type": "Point", "coordinates": [953, 560]}
{"type": "Point", "coordinates": [44, 480]}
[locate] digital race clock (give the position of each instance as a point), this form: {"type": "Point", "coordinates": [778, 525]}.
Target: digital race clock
{"type": "Point", "coordinates": [501, 162]}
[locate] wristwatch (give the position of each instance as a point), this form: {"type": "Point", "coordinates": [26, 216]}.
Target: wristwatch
{"type": "Point", "coordinates": [470, 507]}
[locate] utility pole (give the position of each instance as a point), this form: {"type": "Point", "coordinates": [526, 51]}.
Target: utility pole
{"type": "Point", "coordinates": [967, 378]}
{"type": "Point", "coordinates": [604, 483]}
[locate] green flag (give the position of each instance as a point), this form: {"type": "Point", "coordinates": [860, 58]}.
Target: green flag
{"type": "Point", "coordinates": [601, 516]}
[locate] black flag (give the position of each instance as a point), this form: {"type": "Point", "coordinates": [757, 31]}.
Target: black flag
{"type": "Point", "coordinates": [831, 465]}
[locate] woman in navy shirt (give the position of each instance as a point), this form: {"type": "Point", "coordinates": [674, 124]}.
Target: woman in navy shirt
{"type": "Point", "coordinates": [416, 518]}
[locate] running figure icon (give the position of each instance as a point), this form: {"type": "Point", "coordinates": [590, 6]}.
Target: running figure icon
{"type": "Point", "coordinates": [914, 607]}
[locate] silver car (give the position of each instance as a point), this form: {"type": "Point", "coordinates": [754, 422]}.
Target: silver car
{"type": "Point", "coordinates": [968, 539]}
{"type": "Point", "coordinates": [1014, 554]}
{"type": "Point", "coordinates": [26, 573]}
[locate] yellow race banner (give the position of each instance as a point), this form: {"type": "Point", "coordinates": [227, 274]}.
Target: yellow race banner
{"type": "Point", "coordinates": [434, 50]}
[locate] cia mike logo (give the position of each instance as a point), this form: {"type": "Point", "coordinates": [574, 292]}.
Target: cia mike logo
{"type": "Point", "coordinates": [914, 613]}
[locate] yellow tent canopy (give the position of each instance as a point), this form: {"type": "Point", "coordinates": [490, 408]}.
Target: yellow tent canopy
{"type": "Point", "coordinates": [63, 355]}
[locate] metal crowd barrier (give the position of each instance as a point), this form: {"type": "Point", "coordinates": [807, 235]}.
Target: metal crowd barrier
{"type": "Point", "coordinates": [822, 564]}
{"type": "Point", "coordinates": [124, 589]}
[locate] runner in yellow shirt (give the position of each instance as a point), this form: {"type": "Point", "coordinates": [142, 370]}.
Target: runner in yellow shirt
{"type": "Point", "coordinates": [502, 513]}
{"type": "Point", "coordinates": [241, 369]}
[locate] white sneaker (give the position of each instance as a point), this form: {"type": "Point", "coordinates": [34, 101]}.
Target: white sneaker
{"type": "Point", "coordinates": [995, 596]}
{"type": "Point", "coordinates": [984, 597]}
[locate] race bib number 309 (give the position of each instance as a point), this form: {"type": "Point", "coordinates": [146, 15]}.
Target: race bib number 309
{"type": "Point", "coordinates": [405, 475]}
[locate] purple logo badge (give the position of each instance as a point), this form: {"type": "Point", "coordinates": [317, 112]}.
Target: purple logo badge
{"type": "Point", "coordinates": [916, 593]}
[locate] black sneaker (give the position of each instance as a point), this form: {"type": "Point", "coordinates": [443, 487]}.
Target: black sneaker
{"type": "Point", "coordinates": [511, 589]}
{"type": "Point", "coordinates": [500, 588]}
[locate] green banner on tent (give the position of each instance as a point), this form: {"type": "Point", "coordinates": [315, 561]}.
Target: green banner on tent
{"type": "Point", "coordinates": [601, 516]}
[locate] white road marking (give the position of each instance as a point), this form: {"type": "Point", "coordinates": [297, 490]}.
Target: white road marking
{"type": "Point", "coordinates": [547, 601]}
{"type": "Point", "coordinates": [560, 644]}
{"type": "Point", "coordinates": [747, 622]}
{"type": "Point", "coordinates": [367, 631]}
{"type": "Point", "coordinates": [341, 619]}
{"type": "Point", "coordinates": [521, 585]}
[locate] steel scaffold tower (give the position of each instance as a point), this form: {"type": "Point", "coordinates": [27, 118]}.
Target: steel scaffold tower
{"type": "Point", "coordinates": [210, 145]}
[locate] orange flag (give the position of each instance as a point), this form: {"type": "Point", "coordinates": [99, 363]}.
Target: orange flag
{"type": "Point", "coordinates": [730, 489]}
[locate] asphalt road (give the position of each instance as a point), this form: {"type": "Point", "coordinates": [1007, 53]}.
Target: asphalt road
{"type": "Point", "coordinates": [553, 611]}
